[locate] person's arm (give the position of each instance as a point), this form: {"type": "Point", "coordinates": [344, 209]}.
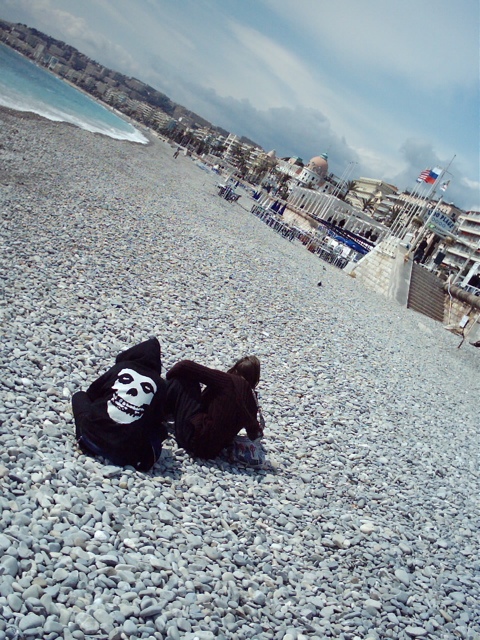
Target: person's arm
{"type": "Point", "coordinates": [255, 428]}
{"type": "Point", "coordinates": [81, 412]}
{"type": "Point", "coordinates": [193, 371]}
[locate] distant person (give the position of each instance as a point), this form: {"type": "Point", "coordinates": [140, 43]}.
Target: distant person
{"type": "Point", "coordinates": [120, 415]}
{"type": "Point", "coordinates": [420, 251]}
{"type": "Point", "coordinates": [177, 152]}
{"type": "Point", "coordinates": [207, 421]}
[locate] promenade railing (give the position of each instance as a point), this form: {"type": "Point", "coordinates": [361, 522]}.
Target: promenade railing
{"type": "Point", "coordinates": [332, 255]}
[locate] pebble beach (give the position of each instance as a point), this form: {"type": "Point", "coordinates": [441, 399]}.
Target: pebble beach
{"type": "Point", "coordinates": [365, 523]}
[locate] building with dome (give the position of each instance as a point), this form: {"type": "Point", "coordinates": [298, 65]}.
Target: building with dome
{"type": "Point", "coordinates": [313, 175]}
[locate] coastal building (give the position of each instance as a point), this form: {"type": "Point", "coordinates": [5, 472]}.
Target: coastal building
{"type": "Point", "coordinates": [39, 51]}
{"type": "Point", "coordinates": [32, 40]}
{"type": "Point", "coordinates": [244, 157]}
{"type": "Point", "coordinates": [115, 97]}
{"type": "Point", "coordinates": [162, 121]}
{"type": "Point", "coordinates": [56, 51]}
{"type": "Point", "coordinates": [52, 62]}
{"type": "Point", "coordinates": [410, 205]}
{"type": "Point", "coordinates": [89, 82]}
{"type": "Point", "coordinates": [463, 256]}
{"type": "Point", "coordinates": [372, 195]}
{"type": "Point", "coordinates": [72, 75]}
{"type": "Point", "coordinates": [336, 185]}
{"type": "Point", "coordinates": [291, 167]}
{"type": "Point", "coordinates": [232, 143]}
{"type": "Point", "coordinates": [136, 85]}
{"type": "Point", "coordinates": [60, 68]}
{"type": "Point", "coordinates": [95, 70]}
{"type": "Point", "coordinates": [144, 110]}
{"type": "Point", "coordinates": [313, 175]}
{"type": "Point", "coordinates": [259, 163]}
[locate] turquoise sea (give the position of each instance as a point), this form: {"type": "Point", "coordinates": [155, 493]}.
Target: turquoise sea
{"type": "Point", "coordinates": [24, 86]}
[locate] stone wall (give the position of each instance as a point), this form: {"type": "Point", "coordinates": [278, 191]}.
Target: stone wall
{"type": "Point", "coordinates": [460, 304]}
{"type": "Point", "coordinates": [385, 270]}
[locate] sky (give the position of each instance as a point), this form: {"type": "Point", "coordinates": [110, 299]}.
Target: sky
{"type": "Point", "coordinates": [391, 86]}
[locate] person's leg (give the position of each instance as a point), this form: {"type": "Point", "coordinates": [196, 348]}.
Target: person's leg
{"type": "Point", "coordinates": [183, 402]}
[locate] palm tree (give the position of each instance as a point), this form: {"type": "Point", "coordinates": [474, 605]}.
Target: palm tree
{"type": "Point", "coordinates": [367, 203]}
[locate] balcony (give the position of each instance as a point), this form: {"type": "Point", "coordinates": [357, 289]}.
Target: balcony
{"type": "Point", "coordinates": [468, 227]}
{"type": "Point", "coordinates": [463, 251]}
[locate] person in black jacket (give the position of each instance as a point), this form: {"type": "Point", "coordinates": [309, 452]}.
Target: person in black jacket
{"type": "Point", "coordinates": [120, 415]}
{"type": "Point", "coordinates": [207, 421]}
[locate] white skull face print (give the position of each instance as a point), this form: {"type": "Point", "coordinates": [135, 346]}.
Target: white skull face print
{"type": "Point", "coordinates": [132, 393]}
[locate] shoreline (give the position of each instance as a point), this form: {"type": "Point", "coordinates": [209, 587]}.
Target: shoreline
{"type": "Point", "coordinates": [33, 115]}
{"type": "Point", "coordinates": [125, 118]}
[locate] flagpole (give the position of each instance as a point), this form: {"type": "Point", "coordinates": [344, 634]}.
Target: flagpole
{"type": "Point", "coordinates": [410, 210]}
{"type": "Point", "coordinates": [440, 177]}
{"type": "Point", "coordinates": [434, 186]}
{"type": "Point", "coordinates": [416, 207]}
{"type": "Point", "coordinates": [406, 209]}
{"type": "Point", "coordinates": [329, 197]}
{"type": "Point", "coordinates": [427, 196]}
{"type": "Point", "coordinates": [416, 242]}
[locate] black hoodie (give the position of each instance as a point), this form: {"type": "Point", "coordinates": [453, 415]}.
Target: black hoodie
{"type": "Point", "coordinates": [120, 415]}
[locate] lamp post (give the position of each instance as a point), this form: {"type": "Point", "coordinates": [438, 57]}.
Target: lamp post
{"type": "Point", "coordinates": [343, 180]}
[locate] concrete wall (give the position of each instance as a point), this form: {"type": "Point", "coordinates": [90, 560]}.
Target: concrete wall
{"type": "Point", "coordinates": [385, 271]}
{"type": "Point", "coordinates": [456, 309]}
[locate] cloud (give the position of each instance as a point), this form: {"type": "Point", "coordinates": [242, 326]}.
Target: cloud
{"type": "Point", "coordinates": [388, 85]}
{"type": "Point", "coordinates": [471, 184]}
{"type": "Point", "coordinates": [74, 30]}
{"type": "Point", "coordinates": [428, 47]}
{"type": "Point", "coordinates": [298, 130]}
{"type": "Point", "coordinates": [307, 132]}
{"type": "Point", "coordinates": [262, 58]}
{"type": "Point", "coordinates": [420, 154]}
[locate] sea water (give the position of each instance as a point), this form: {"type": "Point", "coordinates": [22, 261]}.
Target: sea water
{"type": "Point", "coordinates": [24, 86]}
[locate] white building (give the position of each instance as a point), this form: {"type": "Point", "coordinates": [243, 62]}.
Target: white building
{"type": "Point", "coordinates": [327, 208]}
{"type": "Point", "coordinates": [372, 194]}
{"type": "Point", "coordinates": [231, 143]}
{"type": "Point", "coordinates": [464, 255]}
{"type": "Point", "coordinates": [313, 175]}
{"type": "Point", "coordinates": [289, 167]}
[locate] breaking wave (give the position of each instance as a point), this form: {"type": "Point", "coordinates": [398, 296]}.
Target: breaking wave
{"type": "Point", "coordinates": [26, 87]}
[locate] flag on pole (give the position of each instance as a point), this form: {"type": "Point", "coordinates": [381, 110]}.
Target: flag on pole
{"type": "Point", "coordinates": [444, 186]}
{"type": "Point", "coordinates": [433, 175]}
{"type": "Point", "coordinates": [424, 175]}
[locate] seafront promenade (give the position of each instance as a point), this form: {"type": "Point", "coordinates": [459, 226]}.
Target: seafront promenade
{"type": "Point", "coordinates": [365, 525]}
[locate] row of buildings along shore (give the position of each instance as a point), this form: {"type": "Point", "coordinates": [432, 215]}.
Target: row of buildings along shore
{"type": "Point", "coordinates": [366, 207]}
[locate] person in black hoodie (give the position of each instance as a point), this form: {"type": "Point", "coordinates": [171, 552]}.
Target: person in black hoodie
{"type": "Point", "coordinates": [120, 415]}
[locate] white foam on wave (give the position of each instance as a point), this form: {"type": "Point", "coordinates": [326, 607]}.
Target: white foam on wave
{"type": "Point", "coordinates": [56, 115]}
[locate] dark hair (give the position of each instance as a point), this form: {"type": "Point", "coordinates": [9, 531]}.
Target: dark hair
{"type": "Point", "coordinates": [249, 368]}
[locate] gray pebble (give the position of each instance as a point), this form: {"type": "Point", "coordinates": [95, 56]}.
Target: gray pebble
{"type": "Point", "coordinates": [365, 524]}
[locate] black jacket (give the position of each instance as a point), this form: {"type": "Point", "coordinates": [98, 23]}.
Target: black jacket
{"type": "Point", "coordinates": [120, 415]}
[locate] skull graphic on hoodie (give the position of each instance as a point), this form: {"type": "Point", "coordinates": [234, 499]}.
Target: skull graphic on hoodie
{"type": "Point", "coordinates": [132, 394]}
{"type": "Point", "coordinates": [120, 415]}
